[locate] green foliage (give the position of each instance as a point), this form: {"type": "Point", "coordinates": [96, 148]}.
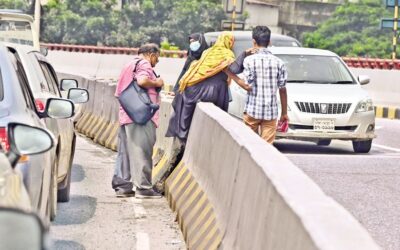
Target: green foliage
{"type": "Point", "coordinates": [354, 30]}
{"type": "Point", "coordinates": [14, 4]}
{"type": "Point", "coordinates": [100, 23]}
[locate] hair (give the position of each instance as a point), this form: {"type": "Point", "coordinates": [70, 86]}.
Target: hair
{"type": "Point", "coordinates": [149, 48]}
{"type": "Point", "coordinates": [262, 35]}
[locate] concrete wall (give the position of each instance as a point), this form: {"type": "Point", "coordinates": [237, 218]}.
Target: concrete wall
{"type": "Point", "coordinates": [261, 200]}
{"type": "Point", "coordinates": [261, 14]}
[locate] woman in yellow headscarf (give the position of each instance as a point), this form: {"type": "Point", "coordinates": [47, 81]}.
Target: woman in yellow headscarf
{"type": "Point", "coordinates": [205, 81]}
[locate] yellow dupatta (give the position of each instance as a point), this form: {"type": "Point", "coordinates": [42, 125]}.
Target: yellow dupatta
{"type": "Point", "coordinates": [213, 61]}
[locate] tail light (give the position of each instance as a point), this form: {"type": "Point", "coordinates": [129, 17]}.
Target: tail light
{"type": "Point", "coordinates": [39, 105]}
{"type": "Point", "coordinates": [4, 139]}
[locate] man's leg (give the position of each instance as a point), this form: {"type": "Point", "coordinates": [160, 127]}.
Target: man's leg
{"type": "Point", "coordinates": [268, 130]}
{"type": "Point", "coordinates": [251, 122]}
{"type": "Point", "coordinates": [121, 181]}
{"type": "Point", "coordinates": [141, 141]}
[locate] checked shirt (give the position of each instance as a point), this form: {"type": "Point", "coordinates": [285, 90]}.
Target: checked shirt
{"type": "Point", "coordinates": [266, 74]}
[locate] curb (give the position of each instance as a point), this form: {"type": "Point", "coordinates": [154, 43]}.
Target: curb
{"type": "Point", "coordinates": [387, 112]}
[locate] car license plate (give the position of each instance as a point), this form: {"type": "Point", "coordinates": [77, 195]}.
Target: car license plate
{"type": "Point", "coordinates": [324, 125]}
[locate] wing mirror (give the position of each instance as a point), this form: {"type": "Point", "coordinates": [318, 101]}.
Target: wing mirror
{"type": "Point", "coordinates": [21, 230]}
{"type": "Point", "coordinates": [363, 79]}
{"type": "Point", "coordinates": [44, 51]}
{"type": "Point", "coordinates": [59, 108]}
{"type": "Point", "coordinates": [27, 140]}
{"type": "Point", "coordinates": [67, 84]}
{"type": "Point", "coordinates": [78, 95]}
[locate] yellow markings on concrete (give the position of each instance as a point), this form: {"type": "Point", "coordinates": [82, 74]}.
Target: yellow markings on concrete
{"type": "Point", "coordinates": [204, 227]}
{"type": "Point", "coordinates": [379, 112]}
{"type": "Point", "coordinates": [86, 126]}
{"type": "Point", "coordinates": [98, 134]}
{"type": "Point", "coordinates": [112, 135]}
{"type": "Point", "coordinates": [107, 132]}
{"type": "Point", "coordinates": [199, 220]}
{"type": "Point", "coordinates": [81, 123]}
{"type": "Point", "coordinates": [160, 165]}
{"type": "Point", "coordinates": [195, 213]}
{"type": "Point", "coordinates": [94, 131]}
{"type": "Point", "coordinates": [392, 113]}
{"type": "Point", "coordinates": [155, 152]}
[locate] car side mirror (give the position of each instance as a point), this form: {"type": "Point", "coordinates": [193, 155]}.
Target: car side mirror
{"type": "Point", "coordinates": [59, 108]}
{"type": "Point", "coordinates": [27, 140]}
{"type": "Point", "coordinates": [44, 51]}
{"type": "Point", "coordinates": [363, 79]}
{"type": "Point", "coordinates": [78, 95]}
{"type": "Point", "coordinates": [24, 230]}
{"type": "Point", "coordinates": [67, 84]}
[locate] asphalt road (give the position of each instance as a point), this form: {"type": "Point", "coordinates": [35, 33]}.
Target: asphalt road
{"type": "Point", "coordinates": [95, 219]}
{"type": "Point", "coordinates": [367, 185]}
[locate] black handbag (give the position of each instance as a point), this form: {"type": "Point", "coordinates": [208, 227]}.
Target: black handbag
{"type": "Point", "coordinates": [136, 102]}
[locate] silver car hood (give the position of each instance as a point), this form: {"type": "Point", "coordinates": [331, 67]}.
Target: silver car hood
{"type": "Point", "coordinates": [329, 93]}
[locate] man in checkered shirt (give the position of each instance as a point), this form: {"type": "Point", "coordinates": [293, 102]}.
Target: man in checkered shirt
{"type": "Point", "coordinates": [266, 74]}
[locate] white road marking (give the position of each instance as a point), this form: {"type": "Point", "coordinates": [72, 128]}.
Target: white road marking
{"type": "Point", "coordinates": [140, 212]}
{"type": "Point", "coordinates": [142, 241]}
{"type": "Point", "coordinates": [386, 147]}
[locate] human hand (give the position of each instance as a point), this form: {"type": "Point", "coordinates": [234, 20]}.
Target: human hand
{"type": "Point", "coordinates": [251, 51]}
{"type": "Point", "coordinates": [284, 117]}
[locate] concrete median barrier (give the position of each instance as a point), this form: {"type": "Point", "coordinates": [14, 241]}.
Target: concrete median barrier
{"type": "Point", "coordinates": [234, 191]}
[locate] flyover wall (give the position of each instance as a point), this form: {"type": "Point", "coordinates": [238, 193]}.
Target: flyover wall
{"type": "Point", "coordinates": [231, 190]}
{"type": "Point", "coordinates": [384, 87]}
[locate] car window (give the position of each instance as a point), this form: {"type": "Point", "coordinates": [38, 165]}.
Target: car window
{"type": "Point", "coordinates": [23, 80]}
{"type": "Point", "coordinates": [1, 87]}
{"type": "Point", "coordinates": [50, 79]}
{"type": "Point", "coordinates": [316, 69]}
{"type": "Point", "coordinates": [13, 31]}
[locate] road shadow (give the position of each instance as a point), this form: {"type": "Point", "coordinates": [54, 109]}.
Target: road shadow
{"type": "Point", "coordinates": [78, 210]}
{"type": "Point", "coordinates": [78, 173]}
{"type": "Point", "coordinates": [287, 147]}
{"type": "Point", "coordinates": [66, 245]}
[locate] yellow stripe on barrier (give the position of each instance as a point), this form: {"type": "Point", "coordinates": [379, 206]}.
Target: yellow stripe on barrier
{"type": "Point", "coordinates": [204, 227]}
{"type": "Point", "coordinates": [177, 178]}
{"type": "Point", "coordinates": [159, 166]}
{"type": "Point", "coordinates": [379, 112]}
{"type": "Point", "coordinates": [112, 135]}
{"type": "Point", "coordinates": [392, 113]}
{"type": "Point", "coordinates": [98, 134]}
{"type": "Point", "coordinates": [199, 221]}
{"type": "Point", "coordinates": [209, 237]}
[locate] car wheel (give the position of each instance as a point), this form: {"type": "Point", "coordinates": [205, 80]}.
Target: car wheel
{"type": "Point", "coordinates": [324, 142]}
{"type": "Point", "coordinates": [64, 193]}
{"type": "Point", "coordinates": [54, 191]}
{"type": "Point", "coordinates": [362, 146]}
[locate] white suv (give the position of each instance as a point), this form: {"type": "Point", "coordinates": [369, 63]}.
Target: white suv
{"type": "Point", "coordinates": [325, 101]}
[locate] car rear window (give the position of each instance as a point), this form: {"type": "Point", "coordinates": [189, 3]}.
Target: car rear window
{"type": "Point", "coordinates": [13, 31]}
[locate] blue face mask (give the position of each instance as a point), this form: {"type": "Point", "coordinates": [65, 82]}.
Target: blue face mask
{"type": "Point", "coordinates": [195, 46]}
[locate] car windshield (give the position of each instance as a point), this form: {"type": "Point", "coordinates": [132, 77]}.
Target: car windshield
{"type": "Point", "coordinates": [242, 45]}
{"type": "Point", "coordinates": [19, 32]}
{"type": "Point", "coordinates": [316, 69]}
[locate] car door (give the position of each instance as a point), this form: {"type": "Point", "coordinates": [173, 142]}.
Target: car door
{"type": "Point", "coordinates": [40, 166]}
{"type": "Point", "coordinates": [65, 126]}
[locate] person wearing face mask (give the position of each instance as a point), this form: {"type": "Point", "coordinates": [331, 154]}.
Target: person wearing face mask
{"type": "Point", "coordinates": [197, 45]}
{"type": "Point", "coordinates": [136, 142]}
{"type": "Point", "coordinates": [206, 80]}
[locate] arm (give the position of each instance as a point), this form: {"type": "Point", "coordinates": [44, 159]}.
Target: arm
{"type": "Point", "coordinates": [283, 95]}
{"type": "Point", "coordinates": [145, 82]}
{"type": "Point", "coordinates": [237, 66]}
{"type": "Point", "coordinates": [282, 77]}
{"type": "Point", "coordinates": [238, 80]}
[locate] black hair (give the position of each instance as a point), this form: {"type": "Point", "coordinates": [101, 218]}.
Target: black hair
{"type": "Point", "coordinates": [149, 48]}
{"type": "Point", "coordinates": [262, 35]}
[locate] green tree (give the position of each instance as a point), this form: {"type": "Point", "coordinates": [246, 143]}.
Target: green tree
{"type": "Point", "coordinates": [354, 30]}
{"type": "Point", "coordinates": [100, 23]}
{"type": "Point", "coordinates": [14, 4]}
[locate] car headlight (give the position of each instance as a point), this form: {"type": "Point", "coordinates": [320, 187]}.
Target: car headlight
{"type": "Point", "coordinates": [365, 105]}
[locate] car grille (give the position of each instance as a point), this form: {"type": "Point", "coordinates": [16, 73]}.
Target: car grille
{"type": "Point", "coordinates": [337, 128]}
{"type": "Point", "coordinates": [323, 108]}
